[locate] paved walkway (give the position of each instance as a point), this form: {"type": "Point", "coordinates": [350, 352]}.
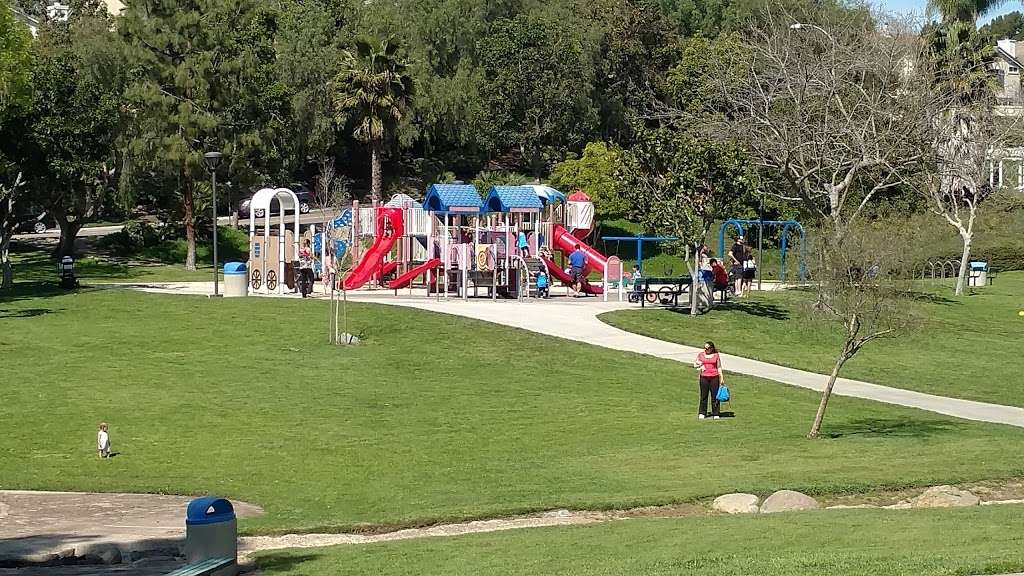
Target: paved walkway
{"type": "Point", "coordinates": [45, 526]}
{"type": "Point", "coordinates": [577, 320]}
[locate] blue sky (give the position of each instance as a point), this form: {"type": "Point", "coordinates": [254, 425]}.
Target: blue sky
{"type": "Point", "coordinates": [918, 6]}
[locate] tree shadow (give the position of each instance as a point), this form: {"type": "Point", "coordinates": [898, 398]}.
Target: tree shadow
{"type": "Point", "coordinates": [755, 308]}
{"type": "Point", "coordinates": [26, 313]}
{"type": "Point", "coordinates": [282, 561]}
{"type": "Point", "coordinates": [929, 297]}
{"type": "Point", "coordinates": [892, 427]}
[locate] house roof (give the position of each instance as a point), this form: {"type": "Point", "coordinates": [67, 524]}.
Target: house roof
{"type": "Point", "coordinates": [459, 198]}
{"type": "Point", "coordinates": [1005, 54]}
{"type": "Point", "coordinates": [512, 199]}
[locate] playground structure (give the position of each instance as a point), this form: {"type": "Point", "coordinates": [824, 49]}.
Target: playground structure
{"type": "Point", "coordinates": [457, 243]}
{"type": "Point", "coordinates": [786, 226]}
{"type": "Point", "coordinates": [272, 257]}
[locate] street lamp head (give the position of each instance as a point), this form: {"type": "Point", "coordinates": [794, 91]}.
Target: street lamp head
{"type": "Point", "coordinates": [212, 160]}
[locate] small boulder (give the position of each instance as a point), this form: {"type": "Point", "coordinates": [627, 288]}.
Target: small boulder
{"type": "Point", "coordinates": [945, 497]}
{"type": "Point", "coordinates": [101, 553]}
{"type": "Point", "coordinates": [788, 501]}
{"type": "Point", "coordinates": [563, 513]}
{"type": "Point", "coordinates": [736, 504]}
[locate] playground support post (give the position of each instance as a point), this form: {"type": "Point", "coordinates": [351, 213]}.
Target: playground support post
{"type": "Point", "coordinates": [760, 242]}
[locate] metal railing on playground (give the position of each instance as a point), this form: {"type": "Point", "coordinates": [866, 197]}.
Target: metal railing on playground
{"type": "Point", "coordinates": [937, 270]}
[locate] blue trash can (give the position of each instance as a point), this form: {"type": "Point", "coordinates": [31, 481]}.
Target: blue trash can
{"type": "Point", "coordinates": [978, 274]}
{"type": "Point", "coordinates": [211, 530]}
{"type": "Point", "coordinates": [236, 280]}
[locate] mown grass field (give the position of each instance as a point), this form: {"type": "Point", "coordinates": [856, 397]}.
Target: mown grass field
{"type": "Point", "coordinates": [432, 418]}
{"type": "Point", "coordinates": [965, 347]}
{"type": "Point", "coordinates": [982, 540]}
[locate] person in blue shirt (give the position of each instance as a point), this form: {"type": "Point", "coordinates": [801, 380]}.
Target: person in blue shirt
{"type": "Point", "coordinates": [577, 262]}
{"type": "Point", "coordinates": [523, 245]}
{"type": "Point", "coordinates": [542, 284]}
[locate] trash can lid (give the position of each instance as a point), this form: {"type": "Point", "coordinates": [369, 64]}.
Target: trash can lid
{"type": "Point", "coordinates": [209, 510]}
{"type": "Point", "coordinates": [979, 265]}
{"type": "Point", "coordinates": [234, 267]}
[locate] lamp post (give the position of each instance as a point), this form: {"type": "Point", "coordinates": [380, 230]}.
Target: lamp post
{"type": "Point", "coordinates": [212, 161]}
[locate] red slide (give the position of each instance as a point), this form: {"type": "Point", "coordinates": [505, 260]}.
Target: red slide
{"type": "Point", "coordinates": [566, 243]}
{"type": "Point", "coordinates": [404, 280]}
{"type": "Point", "coordinates": [389, 227]}
{"type": "Point", "coordinates": [566, 279]}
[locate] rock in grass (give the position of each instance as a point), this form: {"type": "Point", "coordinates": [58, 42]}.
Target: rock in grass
{"type": "Point", "coordinates": [788, 501]}
{"type": "Point", "coordinates": [945, 497]}
{"type": "Point", "coordinates": [736, 503]}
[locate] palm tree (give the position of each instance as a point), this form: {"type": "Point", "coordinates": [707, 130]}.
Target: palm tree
{"type": "Point", "coordinates": [963, 10]}
{"type": "Point", "coordinates": [374, 90]}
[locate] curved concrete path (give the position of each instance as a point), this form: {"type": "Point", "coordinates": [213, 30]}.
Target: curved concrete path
{"type": "Point", "coordinates": [577, 320]}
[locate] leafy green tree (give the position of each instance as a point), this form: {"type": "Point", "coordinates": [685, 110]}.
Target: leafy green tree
{"type": "Point", "coordinates": [596, 174]}
{"type": "Point", "coordinates": [1005, 26]}
{"type": "Point", "coordinates": [679, 184]}
{"type": "Point", "coordinates": [373, 91]}
{"type": "Point", "coordinates": [964, 11]}
{"type": "Point", "coordinates": [487, 178]}
{"type": "Point", "coordinates": [537, 90]}
{"type": "Point", "coordinates": [15, 92]}
{"type": "Point", "coordinates": [200, 82]}
{"type": "Point", "coordinates": [71, 130]}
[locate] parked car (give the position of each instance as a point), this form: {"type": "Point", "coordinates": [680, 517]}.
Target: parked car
{"type": "Point", "coordinates": [303, 193]}
{"type": "Point", "coordinates": [34, 220]}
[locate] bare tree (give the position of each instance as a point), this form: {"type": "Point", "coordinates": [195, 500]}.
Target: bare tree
{"type": "Point", "coordinates": [865, 286]}
{"type": "Point", "coordinates": [968, 139]}
{"type": "Point", "coordinates": [827, 104]}
{"type": "Point", "coordinates": [8, 222]}
{"type": "Point", "coordinates": [330, 192]}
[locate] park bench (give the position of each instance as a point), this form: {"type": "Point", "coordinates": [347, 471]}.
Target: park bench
{"type": "Point", "coordinates": [210, 567]}
{"type": "Point", "coordinates": [663, 290]}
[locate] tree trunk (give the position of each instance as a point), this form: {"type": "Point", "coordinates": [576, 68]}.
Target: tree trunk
{"type": "Point", "coordinates": [188, 204]}
{"type": "Point", "coordinates": [967, 235]}
{"type": "Point", "coordinates": [375, 171]}
{"type": "Point", "coordinates": [7, 277]}
{"type": "Point", "coordinates": [68, 233]}
{"type": "Point", "coordinates": [827, 393]}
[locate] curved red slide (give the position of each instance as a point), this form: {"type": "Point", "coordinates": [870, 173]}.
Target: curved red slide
{"type": "Point", "coordinates": [566, 279]}
{"type": "Point", "coordinates": [566, 243]}
{"type": "Point", "coordinates": [389, 227]}
{"type": "Point", "coordinates": [404, 280]}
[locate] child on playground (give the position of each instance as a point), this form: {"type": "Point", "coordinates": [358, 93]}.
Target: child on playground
{"type": "Point", "coordinates": [523, 245]}
{"type": "Point", "coordinates": [542, 284]}
{"type": "Point", "coordinates": [103, 441]}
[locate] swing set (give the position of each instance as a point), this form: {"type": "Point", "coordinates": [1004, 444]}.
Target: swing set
{"type": "Point", "coordinates": [785, 225]}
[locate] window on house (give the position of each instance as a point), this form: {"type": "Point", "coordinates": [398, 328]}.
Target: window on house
{"type": "Point", "coordinates": [1014, 69]}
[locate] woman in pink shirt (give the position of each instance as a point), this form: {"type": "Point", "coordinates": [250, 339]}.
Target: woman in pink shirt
{"type": "Point", "coordinates": [711, 377]}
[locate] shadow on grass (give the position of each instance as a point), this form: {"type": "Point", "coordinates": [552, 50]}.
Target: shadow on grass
{"type": "Point", "coordinates": [754, 308]}
{"type": "Point", "coordinates": [929, 297]}
{"type": "Point", "coordinates": [892, 427]}
{"type": "Point", "coordinates": [26, 313]}
{"type": "Point", "coordinates": [22, 291]}
{"type": "Point", "coordinates": [273, 562]}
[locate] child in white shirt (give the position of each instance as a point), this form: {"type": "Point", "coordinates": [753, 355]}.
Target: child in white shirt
{"type": "Point", "coordinates": [103, 441]}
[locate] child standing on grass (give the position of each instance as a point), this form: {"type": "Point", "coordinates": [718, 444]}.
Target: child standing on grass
{"type": "Point", "coordinates": [103, 441]}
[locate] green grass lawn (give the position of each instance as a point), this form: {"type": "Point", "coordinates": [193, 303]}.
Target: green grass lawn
{"type": "Point", "coordinates": [840, 543]}
{"type": "Point", "coordinates": [433, 417]}
{"type": "Point", "coordinates": [32, 264]}
{"type": "Point", "coordinates": [966, 347]}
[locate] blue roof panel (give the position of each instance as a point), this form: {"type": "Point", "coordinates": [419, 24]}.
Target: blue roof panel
{"type": "Point", "coordinates": [509, 198]}
{"type": "Point", "coordinates": [452, 198]}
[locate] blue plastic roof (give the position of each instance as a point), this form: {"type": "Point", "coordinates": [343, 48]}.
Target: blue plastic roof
{"type": "Point", "coordinates": [549, 195]}
{"type": "Point", "coordinates": [512, 198]}
{"type": "Point", "coordinates": [461, 198]}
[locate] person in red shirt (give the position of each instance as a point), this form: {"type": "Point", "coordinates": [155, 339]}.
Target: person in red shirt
{"type": "Point", "coordinates": [720, 276]}
{"type": "Point", "coordinates": [711, 377]}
